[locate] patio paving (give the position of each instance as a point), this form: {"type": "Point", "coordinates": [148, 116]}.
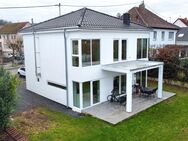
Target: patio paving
{"type": "Point", "coordinates": [115, 113]}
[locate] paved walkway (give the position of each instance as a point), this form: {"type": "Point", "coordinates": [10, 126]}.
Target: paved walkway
{"type": "Point", "coordinates": [28, 99]}
{"type": "Point", "coordinates": [115, 113]}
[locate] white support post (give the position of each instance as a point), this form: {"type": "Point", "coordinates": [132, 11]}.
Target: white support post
{"type": "Point", "coordinates": [129, 92]}
{"type": "Point", "coordinates": [146, 78]}
{"type": "Point", "coordinates": [160, 82]}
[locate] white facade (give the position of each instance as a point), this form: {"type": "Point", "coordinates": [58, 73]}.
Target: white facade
{"type": "Point", "coordinates": [180, 23]}
{"type": "Point", "coordinates": [160, 37]}
{"type": "Point", "coordinates": [50, 60]}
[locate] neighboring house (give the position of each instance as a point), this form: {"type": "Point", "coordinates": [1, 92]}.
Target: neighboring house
{"type": "Point", "coordinates": [182, 36]}
{"type": "Point", "coordinates": [181, 22]}
{"type": "Point", "coordinates": [9, 32]}
{"type": "Point", "coordinates": [163, 33]}
{"type": "Point", "coordinates": [78, 58]}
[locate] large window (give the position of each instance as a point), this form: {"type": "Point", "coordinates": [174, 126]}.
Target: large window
{"type": "Point", "coordinates": [76, 94]}
{"type": "Point", "coordinates": [75, 54]}
{"type": "Point", "coordinates": [86, 94]}
{"type": "Point", "coordinates": [142, 46]}
{"type": "Point", "coordinates": [116, 83]}
{"type": "Point", "coordinates": [141, 78]}
{"type": "Point", "coordinates": [171, 36]}
{"type": "Point", "coordinates": [116, 50]}
{"type": "Point", "coordinates": [90, 52]}
{"type": "Point", "coordinates": [95, 52]}
{"type": "Point", "coordinates": [154, 35]}
{"type": "Point", "coordinates": [86, 53]}
{"type": "Point", "coordinates": [96, 92]}
{"type": "Point", "coordinates": [124, 49]}
{"type": "Point", "coordinates": [120, 84]}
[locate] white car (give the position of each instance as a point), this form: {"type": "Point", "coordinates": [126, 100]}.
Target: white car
{"type": "Point", "coordinates": [21, 72]}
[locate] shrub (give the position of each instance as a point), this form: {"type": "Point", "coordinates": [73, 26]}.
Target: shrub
{"type": "Point", "coordinates": [8, 85]}
{"type": "Point", "coordinates": [170, 57]}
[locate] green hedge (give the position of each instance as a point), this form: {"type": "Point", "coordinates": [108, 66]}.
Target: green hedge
{"type": "Point", "coordinates": [8, 85]}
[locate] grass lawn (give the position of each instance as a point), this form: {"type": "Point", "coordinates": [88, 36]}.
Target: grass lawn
{"type": "Point", "coordinates": [167, 121]}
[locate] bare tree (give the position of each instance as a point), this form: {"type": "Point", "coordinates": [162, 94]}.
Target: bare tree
{"type": "Point", "coordinates": [15, 45]}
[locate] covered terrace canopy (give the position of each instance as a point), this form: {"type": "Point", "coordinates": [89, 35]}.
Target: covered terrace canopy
{"type": "Point", "coordinates": [131, 67]}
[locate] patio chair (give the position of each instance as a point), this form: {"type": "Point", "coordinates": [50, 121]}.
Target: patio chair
{"type": "Point", "coordinates": [148, 91]}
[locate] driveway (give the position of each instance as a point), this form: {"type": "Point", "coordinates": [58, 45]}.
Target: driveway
{"type": "Point", "coordinates": [28, 99]}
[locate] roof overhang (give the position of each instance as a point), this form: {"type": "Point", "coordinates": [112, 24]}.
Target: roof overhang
{"type": "Point", "coordinates": [132, 66]}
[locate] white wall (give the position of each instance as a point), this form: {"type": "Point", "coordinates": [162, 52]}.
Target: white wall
{"type": "Point", "coordinates": [181, 42]}
{"type": "Point", "coordinates": [159, 42]}
{"type": "Point", "coordinates": [52, 62]}
{"type": "Point", "coordinates": [180, 23]}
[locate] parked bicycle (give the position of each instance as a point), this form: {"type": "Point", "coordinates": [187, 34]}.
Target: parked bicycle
{"type": "Point", "coordinates": [116, 97]}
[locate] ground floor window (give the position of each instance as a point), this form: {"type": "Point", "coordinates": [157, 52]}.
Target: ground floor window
{"type": "Point", "coordinates": [119, 83]}
{"type": "Point", "coordinates": [90, 93]}
{"type": "Point", "coordinates": [76, 94]}
{"type": "Point", "coordinates": [141, 78]}
{"type": "Point", "coordinates": [86, 94]}
{"type": "Point", "coordinates": [96, 91]}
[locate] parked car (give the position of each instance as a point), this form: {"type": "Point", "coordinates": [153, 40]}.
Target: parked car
{"type": "Point", "coordinates": [21, 72]}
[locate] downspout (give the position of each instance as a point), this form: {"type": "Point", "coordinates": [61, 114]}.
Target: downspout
{"type": "Point", "coordinates": [66, 62]}
{"type": "Point", "coordinates": [34, 44]}
{"type": "Point", "coordinates": [66, 66]}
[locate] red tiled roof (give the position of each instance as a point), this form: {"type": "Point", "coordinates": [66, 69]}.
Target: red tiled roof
{"type": "Point", "coordinates": [143, 16]}
{"type": "Point", "coordinates": [12, 28]}
{"type": "Point", "coordinates": [185, 20]}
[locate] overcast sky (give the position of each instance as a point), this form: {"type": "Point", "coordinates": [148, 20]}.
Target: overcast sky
{"type": "Point", "coordinates": [164, 8]}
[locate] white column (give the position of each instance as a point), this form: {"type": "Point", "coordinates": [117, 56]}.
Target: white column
{"type": "Point", "coordinates": [129, 92]}
{"type": "Point", "coordinates": [160, 82]}
{"type": "Point", "coordinates": [146, 78]}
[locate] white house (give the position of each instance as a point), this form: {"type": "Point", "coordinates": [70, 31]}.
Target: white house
{"type": "Point", "coordinates": [162, 32]}
{"type": "Point", "coordinates": [78, 58]}
{"type": "Point", "coordinates": [181, 22]}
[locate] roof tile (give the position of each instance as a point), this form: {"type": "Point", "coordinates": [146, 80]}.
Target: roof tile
{"type": "Point", "coordinates": [147, 18]}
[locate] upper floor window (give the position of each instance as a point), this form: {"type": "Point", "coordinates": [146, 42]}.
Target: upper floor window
{"type": "Point", "coordinates": [124, 49]}
{"type": "Point", "coordinates": [90, 52]}
{"type": "Point", "coordinates": [75, 54]}
{"type": "Point", "coordinates": [162, 35]}
{"type": "Point", "coordinates": [116, 50]}
{"type": "Point", "coordinates": [142, 46]}
{"type": "Point", "coordinates": [154, 35]}
{"type": "Point", "coordinates": [171, 36]}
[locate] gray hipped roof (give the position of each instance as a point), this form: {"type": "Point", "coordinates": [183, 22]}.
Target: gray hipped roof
{"type": "Point", "coordinates": [84, 18]}
{"type": "Point", "coordinates": [182, 34]}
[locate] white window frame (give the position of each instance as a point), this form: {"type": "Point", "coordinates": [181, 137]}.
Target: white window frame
{"type": "Point", "coordinates": [171, 39]}
{"type": "Point", "coordinates": [120, 49]}
{"type": "Point", "coordinates": [91, 93]}
{"type": "Point", "coordinates": [154, 38]}
{"type": "Point", "coordinates": [91, 53]}
{"type": "Point", "coordinates": [75, 55]}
